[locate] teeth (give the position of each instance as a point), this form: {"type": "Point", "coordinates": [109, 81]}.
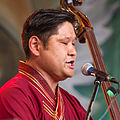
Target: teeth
{"type": "Point", "coordinates": [71, 62]}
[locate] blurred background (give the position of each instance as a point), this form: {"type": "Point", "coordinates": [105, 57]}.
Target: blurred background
{"type": "Point", "coordinates": [104, 16]}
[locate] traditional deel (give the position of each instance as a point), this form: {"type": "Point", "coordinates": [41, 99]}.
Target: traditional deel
{"type": "Point", "coordinates": [28, 96]}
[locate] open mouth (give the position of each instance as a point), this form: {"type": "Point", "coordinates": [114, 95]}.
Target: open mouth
{"type": "Point", "coordinates": [71, 64]}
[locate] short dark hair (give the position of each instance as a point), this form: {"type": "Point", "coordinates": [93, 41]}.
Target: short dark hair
{"type": "Point", "coordinates": [43, 23]}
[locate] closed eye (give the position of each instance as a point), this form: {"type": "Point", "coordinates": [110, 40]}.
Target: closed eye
{"type": "Point", "coordinates": [65, 43]}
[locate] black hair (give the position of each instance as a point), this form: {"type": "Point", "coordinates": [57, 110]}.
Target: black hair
{"type": "Point", "coordinates": [43, 23]}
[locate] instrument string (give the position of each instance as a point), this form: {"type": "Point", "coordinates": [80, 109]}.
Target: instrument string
{"type": "Point", "coordinates": [104, 114]}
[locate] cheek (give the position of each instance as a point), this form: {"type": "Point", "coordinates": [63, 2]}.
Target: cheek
{"type": "Point", "coordinates": [61, 55]}
{"type": "Point", "coordinates": [57, 54]}
{"type": "Point", "coordinates": [57, 60]}
{"type": "Point", "coordinates": [61, 50]}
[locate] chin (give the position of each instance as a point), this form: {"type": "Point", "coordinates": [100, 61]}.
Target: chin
{"type": "Point", "coordinates": [66, 76]}
{"type": "Point", "coordinates": [70, 75]}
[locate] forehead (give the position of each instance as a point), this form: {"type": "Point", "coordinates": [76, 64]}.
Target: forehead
{"type": "Point", "coordinates": [66, 29]}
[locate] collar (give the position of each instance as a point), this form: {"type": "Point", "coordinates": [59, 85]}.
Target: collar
{"type": "Point", "coordinates": [36, 77]}
{"type": "Point", "coordinates": [37, 81]}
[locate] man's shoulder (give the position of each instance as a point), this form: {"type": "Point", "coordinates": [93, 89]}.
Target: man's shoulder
{"type": "Point", "coordinates": [15, 97]}
{"type": "Point", "coordinates": [16, 84]}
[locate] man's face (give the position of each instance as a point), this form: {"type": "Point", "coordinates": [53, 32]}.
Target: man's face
{"type": "Point", "coordinates": [58, 61]}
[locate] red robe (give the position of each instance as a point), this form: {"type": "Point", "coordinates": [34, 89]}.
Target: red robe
{"type": "Point", "coordinates": [27, 96]}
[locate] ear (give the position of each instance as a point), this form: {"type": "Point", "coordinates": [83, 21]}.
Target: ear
{"type": "Point", "coordinates": [34, 45]}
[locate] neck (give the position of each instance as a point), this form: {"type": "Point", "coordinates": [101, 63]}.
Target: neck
{"type": "Point", "coordinates": [51, 82]}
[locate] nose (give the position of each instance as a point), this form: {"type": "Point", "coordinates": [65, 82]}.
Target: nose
{"type": "Point", "coordinates": [72, 51]}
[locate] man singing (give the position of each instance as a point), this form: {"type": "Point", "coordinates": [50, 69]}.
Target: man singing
{"type": "Point", "coordinates": [48, 40]}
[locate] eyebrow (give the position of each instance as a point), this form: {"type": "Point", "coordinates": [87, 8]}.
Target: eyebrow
{"type": "Point", "coordinates": [66, 37]}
